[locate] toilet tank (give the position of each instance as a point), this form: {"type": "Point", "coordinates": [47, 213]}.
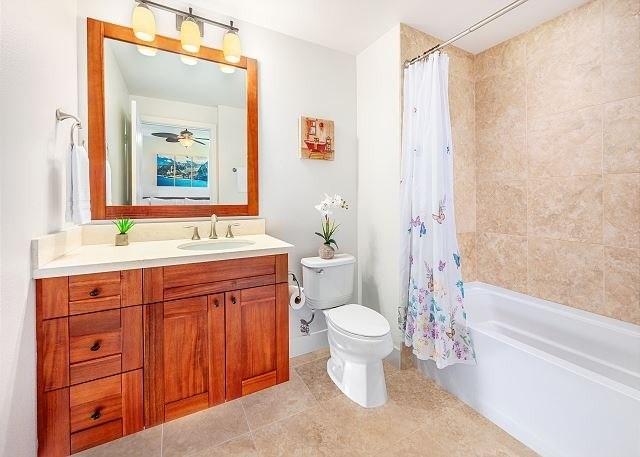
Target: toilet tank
{"type": "Point", "coordinates": [328, 283]}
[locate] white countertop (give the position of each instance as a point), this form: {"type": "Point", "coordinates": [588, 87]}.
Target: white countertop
{"type": "Point", "coordinates": [98, 258]}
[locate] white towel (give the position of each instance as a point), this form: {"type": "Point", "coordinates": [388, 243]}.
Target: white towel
{"type": "Point", "coordinates": [108, 178]}
{"type": "Point", "coordinates": [78, 207]}
{"type": "Point", "coordinates": [241, 178]}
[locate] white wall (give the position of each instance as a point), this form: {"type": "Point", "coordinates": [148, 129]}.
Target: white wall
{"type": "Point", "coordinates": [38, 74]}
{"type": "Point", "coordinates": [232, 154]}
{"type": "Point", "coordinates": [379, 113]}
{"type": "Point", "coordinates": [287, 88]}
{"type": "Point", "coordinates": [117, 118]}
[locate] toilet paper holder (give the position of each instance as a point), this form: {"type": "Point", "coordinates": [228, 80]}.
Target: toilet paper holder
{"type": "Point", "coordinates": [295, 280]}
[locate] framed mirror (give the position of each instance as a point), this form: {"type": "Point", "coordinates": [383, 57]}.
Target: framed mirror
{"type": "Point", "coordinates": [171, 134]}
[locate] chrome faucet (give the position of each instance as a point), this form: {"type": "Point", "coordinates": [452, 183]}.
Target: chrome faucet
{"type": "Point", "coordinates": [212, 233]}
{"type": "Point", "coordinates": [195, 236]}
{"type": "Point", "coordinates": [229, 231]}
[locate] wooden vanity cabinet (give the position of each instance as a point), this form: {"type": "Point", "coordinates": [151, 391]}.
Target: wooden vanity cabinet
{"type": "Point", "coordinates": [121, 351]}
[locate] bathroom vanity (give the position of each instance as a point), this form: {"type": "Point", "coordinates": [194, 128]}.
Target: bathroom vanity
{"type": "Point", "coordinates": [122, 350]}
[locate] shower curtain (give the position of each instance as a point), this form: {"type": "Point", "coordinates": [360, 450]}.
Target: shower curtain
{"type": "Point", "coordinates": [432, 316]}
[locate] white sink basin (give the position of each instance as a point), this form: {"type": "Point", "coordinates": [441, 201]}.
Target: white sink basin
{"type": "Point", "coordinates": [215, 245]}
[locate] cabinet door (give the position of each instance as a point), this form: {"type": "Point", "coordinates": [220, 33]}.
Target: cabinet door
{"type": "Point", "coordinates": [251, 340]}
{"type": "Point", "coordinates": [185, 354]}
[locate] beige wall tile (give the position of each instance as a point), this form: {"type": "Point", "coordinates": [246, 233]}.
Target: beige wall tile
{"type": "Point", "coordinates": [566, 144]}
{"type": "Point", "coordinates": [566, 272]}
{"type": "Point", "coordinates": [502, 206]}
{"type": "Point", "coordinates": [622, 210]}
{"type": "Point", "coordinates": [502, 260]}
{"type": "Point", "coordinates": [501, 153]}
{"type": "Point", "coordinates": [565, 81]}
{"type": "Point", "coordinates": [622, 136]}
{"type": "Point", "coordinates": [622, 284]}
{"type": "Point", "coordinates": [464, 192]}
{"type": "Point", "coordinates": [507, 57]}
{"type": "Point", "coordinates": [500, 101]}
{"type": "Point", "coordinates": [566, 208]}
{"type": "Point", "coordinates": [574, 28]}
{"type": "Point", "coordinates": [621, 61]}
{"type": "Point", "coordinates": [467, 246]}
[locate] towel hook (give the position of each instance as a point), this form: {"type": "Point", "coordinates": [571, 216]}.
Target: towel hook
{"type": "Point", "coordinates": [61, 116]}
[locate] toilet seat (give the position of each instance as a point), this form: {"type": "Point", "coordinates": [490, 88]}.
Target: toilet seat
{"type": "Point", "coordinates": [358, 320]}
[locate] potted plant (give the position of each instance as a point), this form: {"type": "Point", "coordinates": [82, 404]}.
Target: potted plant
{"type": "Point", "coordinates": [123, 225]}
{"type": "Point", "coordinates": [329, 226]}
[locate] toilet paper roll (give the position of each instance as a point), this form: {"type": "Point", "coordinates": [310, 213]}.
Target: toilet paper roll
{"type": "Point", "coordinates": [293, 297]}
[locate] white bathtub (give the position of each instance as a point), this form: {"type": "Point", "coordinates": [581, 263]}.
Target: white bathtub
{"type": "Point", "coordinates": [565, 382]}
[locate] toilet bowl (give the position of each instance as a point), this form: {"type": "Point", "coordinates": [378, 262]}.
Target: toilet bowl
{"type": "Point", "coordinates": [359, 337]}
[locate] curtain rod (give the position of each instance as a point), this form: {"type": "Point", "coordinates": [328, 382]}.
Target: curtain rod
{"type": "Point", "coordinates": [473, 28]}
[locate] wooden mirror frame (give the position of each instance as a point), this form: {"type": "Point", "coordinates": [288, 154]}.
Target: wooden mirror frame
{"type": "Point", "coordinates": [97, 31]}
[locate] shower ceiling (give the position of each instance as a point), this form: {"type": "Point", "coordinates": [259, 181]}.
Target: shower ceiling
{"type": "Point", "coordinates": [351, 25]}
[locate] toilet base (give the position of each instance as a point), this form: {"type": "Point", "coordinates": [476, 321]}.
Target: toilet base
{"type": "Point", "coordinates": [362, 382]}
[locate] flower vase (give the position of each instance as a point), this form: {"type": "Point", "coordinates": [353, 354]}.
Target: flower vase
{"type": "Point", "coordinates": [326, 252]}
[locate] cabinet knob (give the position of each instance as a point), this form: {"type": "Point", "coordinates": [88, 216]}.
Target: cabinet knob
{"type": "Point", "coordinates": [94, 292]}
{"type": "Point", "coordinates": [96, 346]}
{"type": "Point", "coordinates": [96, 414]}
{"type": "Point", "coordinates": [215, 302]}
{"type": "Point", "coordinates": [233, 300]}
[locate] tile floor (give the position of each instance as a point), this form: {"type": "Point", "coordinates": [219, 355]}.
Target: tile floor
{"type": "Point", "coordinates": [309, 416]}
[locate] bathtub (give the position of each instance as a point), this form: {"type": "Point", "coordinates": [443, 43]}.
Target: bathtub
{"type": "Point", "coordinates": [563, 381]}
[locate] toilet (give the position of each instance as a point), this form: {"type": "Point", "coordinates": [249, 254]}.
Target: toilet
{"type": "Point", "coordinates": [359, 337]}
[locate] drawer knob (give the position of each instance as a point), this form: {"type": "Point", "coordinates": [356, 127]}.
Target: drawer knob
{"type": "Point", "coordinates": [233, 300]}
{"type": "Point", "coordinates": [96, 414]}
{"type": "Point", "coordinates": [94, 292]}
{"type": "Point", "coordinates": [96, 346]}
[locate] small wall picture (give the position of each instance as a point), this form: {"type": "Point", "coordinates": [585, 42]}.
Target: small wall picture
{"type": "Point", "coordinates": [317, 138]}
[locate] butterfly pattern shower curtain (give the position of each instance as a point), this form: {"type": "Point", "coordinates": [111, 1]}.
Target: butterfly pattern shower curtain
{"type": "Point", "coordinates": [432, 318]}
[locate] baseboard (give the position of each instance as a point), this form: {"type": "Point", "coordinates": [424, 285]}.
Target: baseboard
{"type": "Point", "coordinates": [305, 344]}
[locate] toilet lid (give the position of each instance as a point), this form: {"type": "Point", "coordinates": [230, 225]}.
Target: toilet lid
{"type": "Point", "coordinates": [358, 320]}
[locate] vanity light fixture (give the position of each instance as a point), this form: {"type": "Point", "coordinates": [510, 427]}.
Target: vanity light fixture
{"type": "Point", "coordinates": [188, 60]}
{"type": "Point", "coordinates": [231, 46]}
{"type": "Point", "coordinates": [228, 69]}
{"type": "Point", "coordinates": [191, 27]}
{"type": "Point", "coordinates": [147, 51]}
{"type": "Point", "coordinates": [190, 35]}
{"type": "Point", "coordinates": [143, 22]}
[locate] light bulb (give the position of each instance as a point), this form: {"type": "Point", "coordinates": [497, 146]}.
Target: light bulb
{"type": "Point", "coordinates": [147, 51]}
{"type": "Point", "coordinates": [188, 60]}
{"type": "Point", "coordinates": [186, 142]}
{"type": "Point", "coordinates": [190, 35]}
{"type": "Point", "coordinates": [231, 47]}
{"type": "Point", "coordinates": [144, 23]}
{"type": "Point", "coordinates": [228, 69]}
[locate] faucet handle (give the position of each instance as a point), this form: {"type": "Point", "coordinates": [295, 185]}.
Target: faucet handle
{"type": "Point", "coordinates": [195, 235]}
{"type": "Point", "coordinates": [229, 231]}
{"type": "Point", "coordinates": [213, 235]}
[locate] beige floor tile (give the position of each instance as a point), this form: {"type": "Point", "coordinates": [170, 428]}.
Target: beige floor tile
{"type": "Point", "coordinates": [199, 433]}
{"type": "Point", "coordinates": [304, 434]}
{"type": "Point", "coordinates": [421, 397]}
{"type": "Point", "coordinates": [368, 430]}
{"type": "Point", "coordinates": [277, 402]}
{"type": "Point", "coordinates": [315, 376]}
{"type": "Point", "coordinates": [143, 444]}
{"type": "Point", "coordinates": [308, 357]}
{"type": "Point", "coordinates": [243, 446]}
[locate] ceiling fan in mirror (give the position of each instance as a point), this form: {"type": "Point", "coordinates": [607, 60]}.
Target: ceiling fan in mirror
{"type": "Point", "coordinates": [185, 138]}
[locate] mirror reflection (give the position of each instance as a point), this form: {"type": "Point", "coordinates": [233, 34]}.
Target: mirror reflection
{"type": "Point", "coordinates": [175, 128]}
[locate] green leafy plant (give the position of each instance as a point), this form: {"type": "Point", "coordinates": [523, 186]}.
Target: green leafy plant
{"type": "Point", "coordinates": [329, 227]}
{"type": "Point", "coordinates": [124, 225]}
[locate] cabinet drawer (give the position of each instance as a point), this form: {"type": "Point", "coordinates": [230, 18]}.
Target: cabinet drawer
{"type": "Point", "coordinates": [96, 435]}
{"type": "Point", "coordinates": [94, 335]}
{"type": "Point", "coordinates": [223, 270]}
{"type": "Point", "coordinates": [95, 403]}
{"type": "Point", "coordinates": [86, 287]}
